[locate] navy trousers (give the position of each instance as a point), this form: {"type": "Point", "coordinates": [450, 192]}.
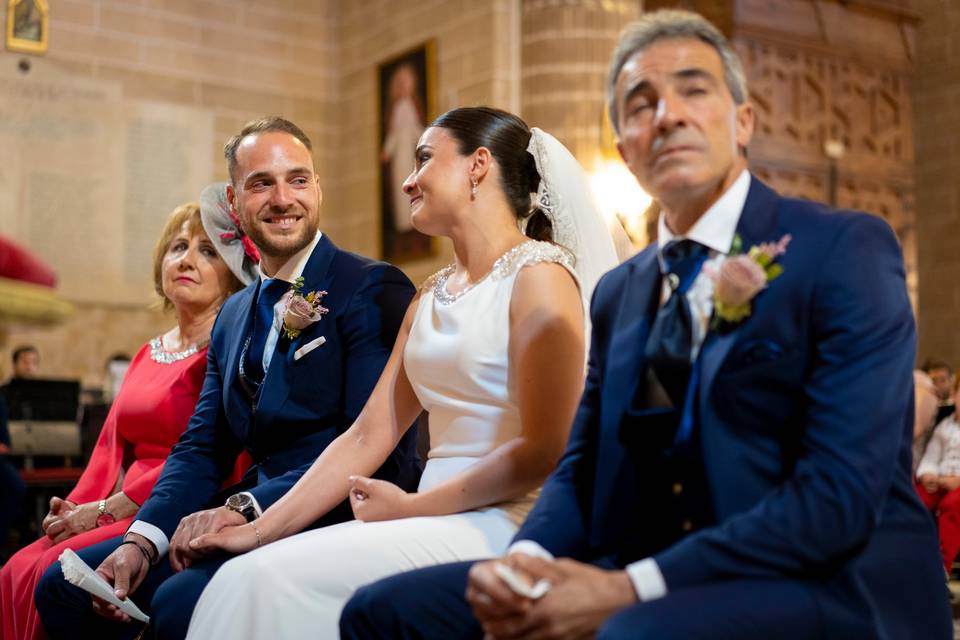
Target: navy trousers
{"type": "Point", "coordinates": [167, 597]}
{"type": "Point", "coordinates": [429, 603]}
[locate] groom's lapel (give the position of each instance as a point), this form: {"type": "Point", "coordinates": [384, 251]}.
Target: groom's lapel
{"type": "Point", "coordinates": [241, 326]}
{"type": "Point", "coordinates": [277, 382]}
{"type": "Point", "coordinates": [758, 223]}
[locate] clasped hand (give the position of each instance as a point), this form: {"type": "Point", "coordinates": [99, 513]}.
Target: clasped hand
{"type": "Point", "coordinates": [67, 519]}
{"type": "Point", "coordinates": [374, 500]}
{"type": "Point", "coordinates": [580, 599]}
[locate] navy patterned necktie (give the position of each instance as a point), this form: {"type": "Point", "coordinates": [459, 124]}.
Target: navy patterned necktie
{"type": "Point", "coordinates": [270, 293]}
{"type": "Point", "coordinates": [670, 343]}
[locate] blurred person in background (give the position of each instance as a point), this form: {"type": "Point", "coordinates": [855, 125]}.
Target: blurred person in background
{"type": "Point", "coordinates": [26, 362]}
{"type": "Point", "coordinates": [943, 378]}
{"type": "Point", "coordinates": [938, 483]}
{"type": "Point", "coordinates": [925, 408]}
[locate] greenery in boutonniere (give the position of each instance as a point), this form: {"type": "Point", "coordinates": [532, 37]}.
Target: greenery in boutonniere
{"type": "Point", "coordinates": [301, 310]}
{"type": "Point", "coordinates": [741, 276]}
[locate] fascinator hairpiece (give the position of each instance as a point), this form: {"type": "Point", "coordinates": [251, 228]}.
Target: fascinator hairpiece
{"type": "Point", "coordinates": [223, 228]}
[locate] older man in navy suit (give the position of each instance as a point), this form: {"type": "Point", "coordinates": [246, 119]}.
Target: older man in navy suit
{"type": "Point", "coordinates": [740, 463]}
{"type": "Point", "coordinates": [281, 397]}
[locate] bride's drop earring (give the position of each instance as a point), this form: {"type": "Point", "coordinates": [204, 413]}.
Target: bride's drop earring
{"type": "Point", "coordinates": [473, 188]}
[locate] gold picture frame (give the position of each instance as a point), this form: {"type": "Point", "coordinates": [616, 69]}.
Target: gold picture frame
{"type": "Point", "coordinates": [406, 103]}
{"type": "Point", "coordinates": [27, 26]}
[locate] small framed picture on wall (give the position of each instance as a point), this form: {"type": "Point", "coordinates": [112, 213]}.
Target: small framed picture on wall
{"type": "Point", "coordinates": [27, 28]}
{"type": "Point", "coordinates": [406, 103]}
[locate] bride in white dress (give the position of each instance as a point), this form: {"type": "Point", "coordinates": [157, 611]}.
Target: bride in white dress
{"type": "Point", "coordinates": [492, 347]}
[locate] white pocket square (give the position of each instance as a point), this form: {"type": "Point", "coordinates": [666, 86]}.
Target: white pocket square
{"type": "Point", "coordinates": [307, 348]}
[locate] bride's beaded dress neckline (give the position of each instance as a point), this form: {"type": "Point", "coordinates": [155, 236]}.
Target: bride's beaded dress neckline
{"type": "Point", "coordinates": [529, 252]}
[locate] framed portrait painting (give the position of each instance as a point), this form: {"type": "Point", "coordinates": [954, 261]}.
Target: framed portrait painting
{"type": "Point", "coordinates": [27, 28]}
{"type": "Point", "coordinates": [405, 104]}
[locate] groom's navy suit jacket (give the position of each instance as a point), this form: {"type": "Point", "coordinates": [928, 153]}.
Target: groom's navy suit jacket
{"type": "Point", "coordinates": [804, 417]}
{"type": "Point", "coordinates": [303, 404]}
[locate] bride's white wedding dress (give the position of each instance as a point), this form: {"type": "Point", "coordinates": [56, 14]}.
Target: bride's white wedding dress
{"type": "Point", "coordinates": [456, 360]}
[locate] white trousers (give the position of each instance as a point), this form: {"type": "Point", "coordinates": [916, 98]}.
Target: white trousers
{"type": "Point", "coordinates": [297, 587]}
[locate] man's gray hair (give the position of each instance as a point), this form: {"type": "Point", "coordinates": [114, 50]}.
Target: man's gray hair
{"type": "Point", "coordinates": [673, 23]}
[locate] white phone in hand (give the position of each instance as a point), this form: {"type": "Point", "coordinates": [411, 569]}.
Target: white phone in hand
{"type": "Point", "coordinates": [520, 585]}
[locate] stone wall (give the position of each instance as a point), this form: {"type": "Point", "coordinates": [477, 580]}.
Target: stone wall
{"type": "Point", "coordinates": [937, 121]}
{"type": "Point", "coordinates": [566, 50]}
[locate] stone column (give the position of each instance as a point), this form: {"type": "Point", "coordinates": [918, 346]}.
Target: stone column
{"type": "Point", "coordinates": [937, 118]}
{"type": "Point", "coordinates": [566, 48]}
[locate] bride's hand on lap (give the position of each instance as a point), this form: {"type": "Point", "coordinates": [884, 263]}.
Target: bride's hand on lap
{"type": "Point", "coordinates": [232, 539]}
{"type": "Point", "coordinates": [374, 500]}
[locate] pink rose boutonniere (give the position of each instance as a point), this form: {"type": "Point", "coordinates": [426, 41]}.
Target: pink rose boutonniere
{"type": "Point", "coordinates": [741, 276]}
{"type": "Point", "coordinates": [301, 310]}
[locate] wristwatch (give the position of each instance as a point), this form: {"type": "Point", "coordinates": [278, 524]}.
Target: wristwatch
{"type": "Point", "coordinates": [242, 503]}
{"type": "Point", "coordinates": [104, 518]}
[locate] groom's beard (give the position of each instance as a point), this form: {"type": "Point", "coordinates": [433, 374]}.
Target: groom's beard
{"type": "Point", "coordinates": [283, 246]}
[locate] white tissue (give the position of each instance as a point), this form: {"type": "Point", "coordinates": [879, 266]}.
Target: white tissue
{"type": "Point", "coordinates": [519, 585]}
{"type": "Point", "coordinates": [79, 574]}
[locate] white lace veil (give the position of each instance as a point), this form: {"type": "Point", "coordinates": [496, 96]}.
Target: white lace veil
{"type": "Point", "coordinates": [567, 200]}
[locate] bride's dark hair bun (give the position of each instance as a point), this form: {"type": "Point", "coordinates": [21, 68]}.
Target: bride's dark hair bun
{"type": "Point", "coordinates": [507, 137]}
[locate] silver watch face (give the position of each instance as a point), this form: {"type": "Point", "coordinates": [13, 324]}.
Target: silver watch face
{"type": "Point", "coordinates": [239, 502]}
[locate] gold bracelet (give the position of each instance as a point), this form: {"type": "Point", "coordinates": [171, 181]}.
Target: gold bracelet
{"type": "Point", "coordinates": [257, 531]}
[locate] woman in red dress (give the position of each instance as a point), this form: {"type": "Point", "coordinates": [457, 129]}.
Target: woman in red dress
{"type": "Point", "coordinates": [194, 272]}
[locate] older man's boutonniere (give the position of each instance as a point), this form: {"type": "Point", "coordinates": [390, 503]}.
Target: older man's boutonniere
{"type": "Point", "coordinates": [301, 310]}
{"type": "Point", "coordinates": [741, 276]}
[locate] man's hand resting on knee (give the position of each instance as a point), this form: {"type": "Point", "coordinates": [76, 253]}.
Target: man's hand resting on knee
{"type": "Point", "coordinates": [125, 569]}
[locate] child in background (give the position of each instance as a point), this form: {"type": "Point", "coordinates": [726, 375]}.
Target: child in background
{"type": "Point", "coordinates": [938, 481]}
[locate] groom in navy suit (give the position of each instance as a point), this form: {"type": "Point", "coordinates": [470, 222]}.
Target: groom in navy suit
{"type": "Point", "coordinates": [280, 398]}
{"type": "Point", "coordinates": [740, 463]}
